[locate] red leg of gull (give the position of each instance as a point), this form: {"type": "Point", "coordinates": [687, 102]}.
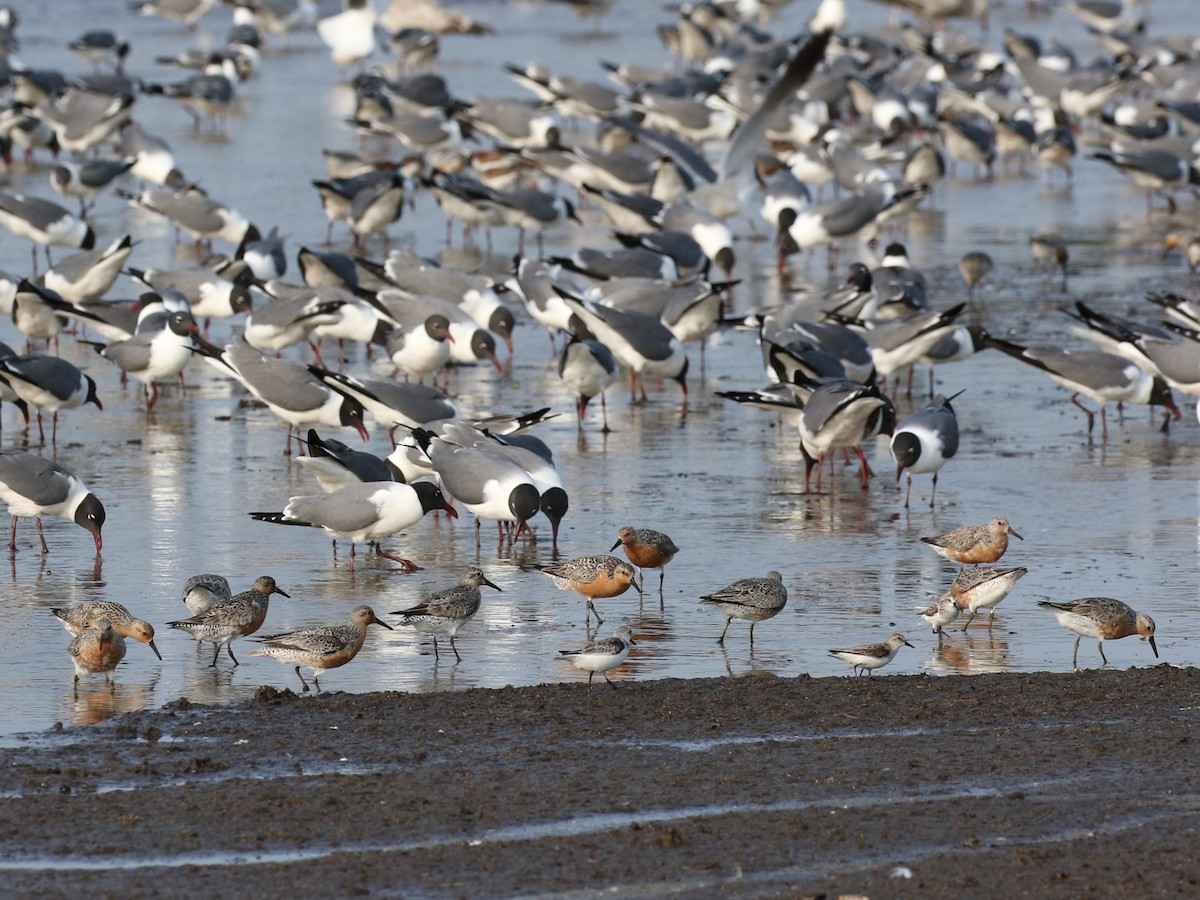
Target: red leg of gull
{"type": "Point", "coordinates": [41, 535]}
{"type": "Point", "coordinates": [407, 564]}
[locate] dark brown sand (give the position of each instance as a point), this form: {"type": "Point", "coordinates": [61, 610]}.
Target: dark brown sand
{"type": "Point", "coordinates": [1038, 785]}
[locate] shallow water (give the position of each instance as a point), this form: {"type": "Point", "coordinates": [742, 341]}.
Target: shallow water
{"type": "Point", "coordinates": [1116, 518]}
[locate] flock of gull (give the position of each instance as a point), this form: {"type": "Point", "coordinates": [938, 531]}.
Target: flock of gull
{"type": "Point", "coordinates": [742, 116]}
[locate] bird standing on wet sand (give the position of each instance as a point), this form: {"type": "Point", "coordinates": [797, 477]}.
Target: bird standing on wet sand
{"type": "Point", "coordinates": [601, 655]}
{"type": "Point", "coordinates": [595, 577]}
{"type": "Point", "coordinates": [97, 649]}
{"type": "Point", "coordinates": [447, 611]}
{"type": "Point", "coordinates": [750, 599]}
{"type": "Point", "coordinates": [647, 549]}
{"type": "Point", "coordinates": [33, 486]}
{"type": "Point", "coordinates": [77, 619]}
{"type": "Point", "coordinates": [1101, 618]}
{"type": "Point", "coordinates": [321, 649]}
{"type": "Point", "coordinates": [871, 656]}
{"type": "Point", "coordinates": [983, 588]}
{"type": "Point", "coordinates": [240, 615]}
{"type": "Point", "coordinates": [973, 544]}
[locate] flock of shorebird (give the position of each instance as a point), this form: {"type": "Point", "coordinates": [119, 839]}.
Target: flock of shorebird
{"type": "Point", "coordinates": [632, 306]}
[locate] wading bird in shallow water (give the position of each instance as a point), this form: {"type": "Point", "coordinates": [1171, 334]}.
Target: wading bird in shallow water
{"type": "Point", "coordinates": [239, 616]}
{"type": "Point", "coordinates": [869, 657]}
{"type": "Point", "coordinates": [321, 649]}
{"type": "Point", "coordinates": [33, 486]}
{"type": "Point", "coordinates": [77, 619]}
{"type": "Point", "coordinates": [448, 610]}
{"type": "Point", "coordinates": [983, 588]}
{"type": "Point", "coordinates": [1101, 618]}
{"type": "Point", "coordinates": [601, 655]}
{"type": "Point", "coordinates": [97, 649]}
{"type": "Point", "coordinates": [752, 600]}
{"type": "Point", "coordinates": [595, 577]}
{"type": "Point", "coordinates": [647, 549]}
{"type": "Point", "coordinates": [973, 544]}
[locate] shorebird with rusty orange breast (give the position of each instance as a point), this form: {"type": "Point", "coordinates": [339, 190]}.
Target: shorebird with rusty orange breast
{"type": "Point", "coordinates": [595, 577]}
{"type": "Point", "coordinates": [982, 587]}
{"type": "Point", "coordinates": [752, 600]}
{"type": "Point", "coordinates": [321, 649]}
{"type": "Point", "coordinates": [602, 654]}
{"type": "Point", "coordinates": [446, 611]}
{"type": "Point", "coordinates": [973, 544]}
{"type": "Point", "coordinates": [869, 657]}
{"type": "Point", "coordinates": [647, 549]}
{"type": "Point", "coordinates": [239, 616]}
{"type": "Point", "coordinates": [97, 649]}
{"type": "Point", "coordinates": [1102, 618]}
{"type": "Point", "coordinates": [77, 619]}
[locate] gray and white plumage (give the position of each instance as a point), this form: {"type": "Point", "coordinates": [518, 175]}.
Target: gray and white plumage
{"type": "Point", "coordinates": [447, 610]}
{"type": "Point", "coordinates": [487, 483]}
{"type": "Point", "coordinates": [209, 295]}
{"type": "Point", "coordinates": [239, 616]}
{"type": "Point", "coordinates": [868, 657]}
{"type": "Point", "coordinates": [396, 403]}
{"type": "Point", "coordinates": [982, 587]}
{"type": "Point", "coordinates": [1101, 618]}
{"type": "Point", "coordinates": [90, 274]}
{"type": "Point", "coordinates": [335, 465]}
{"type": "Point", "coordinates": [44, 222]}
{"type": "Point", "coordinates": [587, 367]}
{"type": "Point", "coordinates": [34, 487]}
{"type": "Point", "coordinates": [195, 213]}
{"type": "Point", "coordinates": [88, 178]}
{"type": "Point", "coordinates": [924, 441]}
{"type": "Point", "coordinates": [202, 591]}
{"type": "Point", "coordinates": [602, 654]}
{"type": "Point", "coordinates": [750, 600]}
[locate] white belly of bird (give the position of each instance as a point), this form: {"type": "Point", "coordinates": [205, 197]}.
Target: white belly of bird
{"type": "Point", "coordinates": [1081, 625]}
{"type": "Point", "coordinates": [168, 357]}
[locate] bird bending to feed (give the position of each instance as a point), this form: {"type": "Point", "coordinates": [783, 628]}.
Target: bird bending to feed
{"type": "Point", "coordinates": [974, 544]}
{"type": "Point", "coordinates": [366, 511]}
{"type": "Point", "coordinates": [1101, 618]}
{"type": "Point", "coordinates": [595, 577]}
{"type": "Point", "coordinates": [77, 619]}
{"type": "Point", "coordinates": [446, 611]}
{"type": "Point", "coordinates": [983, 588]}
{"type": "Point", "coordinates": [321, 649]}
{"type": "Point", "coordinates": [924, 441]}
{"type": "Point", "coordinates": [33, 486]}
{"type": "Point", "coordinates": [239, 616]}
{"type": "Point", "coordinates": [97, 649]}
{"type": "Point", "coordinates": [940, 613]}
{"type": "Point", "coordinates": [647, 549]}
{"type": "Point", "coordinates": [202, 591]}
{"type": "Point", "coordinates": [750, 599]}
{"type": "Point", "coordinates": [601, 655]}
{"type": "Point", "coordinates": [871, 656]}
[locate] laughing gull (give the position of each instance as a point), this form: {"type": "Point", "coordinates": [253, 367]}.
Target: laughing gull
{"type": "Point", "coordinates": [534, 281]}
{"type": "Point", "coordinates": [48, 382]}
{"type": "Point", "coordinates": [1154, 171]}
{"type": "Point", "coordinates": [488, 484]}
{"type": "Point", "coordinates": [153, 159]}
{"type": "Point", "coordinates": [707, 230]}
{"type": "Point", "coordinates": [395, 404]}
{"type": "Point", "coordinates": [641, 343]}
{"type": "Point", "coordinates": [515, 123]}
{"type": "Point", "coordinates": [33, 486]}
{"type": "Point", "coordinates": [87, 179]}
{"type": "Point", "coordinates": [336, 465]}
{"type": "Point", "coordinates": [350, 34]}
{"type": "Point", "coordinates": [88, 275]}
{"type": "Point", "coordinates": [1095, 374]}
{"type": "Point", "coordinates": [265, 256]}
{"type": "Point", "coordinates": [209, 295]}
{"type": "Point", "coordinates": [420, 347]}
{"type": "Point", "coordinates": [475, 294]}
{"type": "Point", "coordinates": [156, 353]}
{"type": "Point", "coordinates": [839, 415]}
{"type": "Point", "coordinates": [529, 209]}
{"type": "Point", "coordinates": [45, 223]}
{"type": "Point", "coordinates": [364, 512]}
{"type": "Point", "coordinates": [924, 441]}
{"type": "Point", "coordinates": [188, 12]}
{"type": "Point", "coordinates": [288, 389]}
{"type": "Point", "coordinates": [196, 213]}
{"type": "Point", "coordinates": [83, 119]}
{"type": "Point", "coordinates": [326, 268]}
{"type": "Point", "coordinates": [101, 47]}
{"type": "Point", "coordinates": [286, 322]}
{"type": "Point", "coordinates": [209, 95]}
{"type": "Point", "coordinates": [588, 367]}
{"type": "Point", "coordinates": [373, 208]}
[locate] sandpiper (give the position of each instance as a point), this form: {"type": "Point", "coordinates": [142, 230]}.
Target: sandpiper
{"type": "Point", "coordinates": [1101, 618]}
{"type": "Point", "coordinates": [240, 615]}
{"type": "Point", "coordinates": [321, 649]}
{"type": "Point", "coordinates": [77, 619]}
{"type": "Point", "coordinates": [871, 656]}
{"type": "Point", "coordinates": [974, 543]}
{"type": "Point", "coordinates": [647, 549]}
{"type": "Point", "coordinates": [595, 577]}
{"type": "Point", "coordinates": [444, 612]}
{"type": "Point", "coordinates": [982, 587]}
{"type": "Point", "coordinates": [601, 655]}
{"type": "Point", "coordinates": [97, 649]}
{"type": "Point", "coordinates": [749, 599]}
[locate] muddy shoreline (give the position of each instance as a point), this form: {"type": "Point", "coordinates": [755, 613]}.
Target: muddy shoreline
{"type": "Point", "coordinates": [1038, 785]}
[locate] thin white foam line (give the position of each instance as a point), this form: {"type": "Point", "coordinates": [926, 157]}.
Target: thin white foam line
{"type": "Point", "coordinates": [574, 827]}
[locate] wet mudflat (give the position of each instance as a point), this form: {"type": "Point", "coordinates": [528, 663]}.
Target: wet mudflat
{"type": "Point", "coordinates": [1011, 785]}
